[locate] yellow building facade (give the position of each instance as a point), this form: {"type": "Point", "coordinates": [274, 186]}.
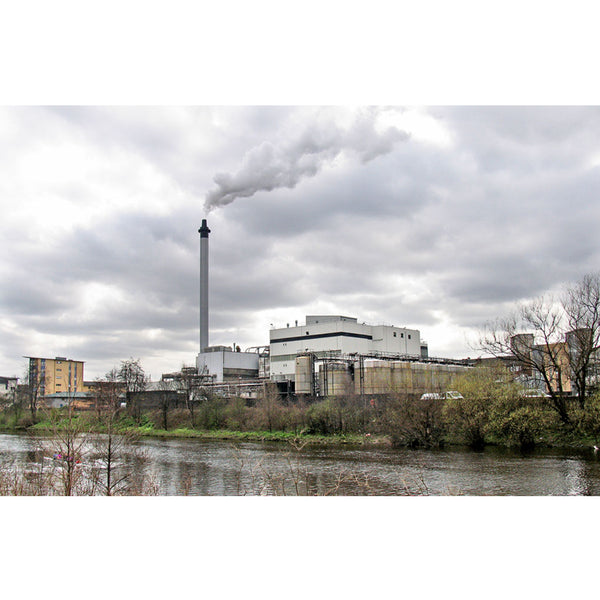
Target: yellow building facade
{"type": "Point", "coordinates": [56, 375]}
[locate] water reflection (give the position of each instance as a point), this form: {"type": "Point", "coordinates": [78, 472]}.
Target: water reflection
{"type": "Point", "coordinates": [195, 467]}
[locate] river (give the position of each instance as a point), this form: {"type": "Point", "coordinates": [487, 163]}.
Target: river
{"type": "Point", "coordinates": [221, 468]}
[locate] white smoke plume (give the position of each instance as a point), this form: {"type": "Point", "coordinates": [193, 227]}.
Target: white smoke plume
{"type": "Point", "coordinates": [271, 166]}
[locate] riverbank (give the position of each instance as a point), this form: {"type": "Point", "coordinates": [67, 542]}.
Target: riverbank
{"type": "Point", "coordinates": [550, 437]}
{"type": "Point", "coordinates": [558, 440]}
{"type": "Point", "coordinates": [289, 437]}
{"type": "Point", "coordinates": [267, 436]}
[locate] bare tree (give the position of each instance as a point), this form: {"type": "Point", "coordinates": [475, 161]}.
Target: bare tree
{"type": "Point", "coordinates": [21, 401]}
{"type": "Point", "coordinates": [132, 374]}
{"type": "Point", "coordinates": [107, 394]}
{"type": "Point", "coordinates": [582, 307]}
{"type": "Point", "coordinates": [167, 389]}
{"type": "Point", "coordinates": [111, 474]}
{"type": "Point", "coordinates": [553, 341]}
{"type": "Point", "coordinates": [108, 406]}
{"type": "Point", "coordinates": [187, 384]}
{"type": "Point", "coordinates": [269, 406]}
{"type": "Point", "coordinates": [35, 384]}
{"type": "Point", "coordinates": [67, 445]}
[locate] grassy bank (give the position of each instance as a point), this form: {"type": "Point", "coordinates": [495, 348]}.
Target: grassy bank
{"type": "Point", "coordinates": [148, 430]}
{"type": "Point", "coordinates": [264, 436]}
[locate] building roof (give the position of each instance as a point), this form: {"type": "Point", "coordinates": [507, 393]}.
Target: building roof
{"type": "Point", "coordinates": [71, 395]}
{"type": "Point", "coordinates": [55, 358]}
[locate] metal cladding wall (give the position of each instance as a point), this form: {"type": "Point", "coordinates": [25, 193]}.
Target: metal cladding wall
{"type": "Point", "coordinates": [223, 365]}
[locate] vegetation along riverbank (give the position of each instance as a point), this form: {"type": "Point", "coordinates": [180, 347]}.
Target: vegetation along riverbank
{"type": "Point", "coordinates": [491, 409]}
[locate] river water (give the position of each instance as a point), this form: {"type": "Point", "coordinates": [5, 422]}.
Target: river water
{"type": "Point", "coordinates": [220, 468]}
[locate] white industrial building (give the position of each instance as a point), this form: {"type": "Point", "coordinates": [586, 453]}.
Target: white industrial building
{"type": "Point", "coordinates": [221, 363]}
{"type": "Point", "coordinates": [336, 334]}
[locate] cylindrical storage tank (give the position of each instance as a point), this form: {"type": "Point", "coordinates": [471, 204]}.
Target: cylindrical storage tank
{"type": "Point", "coordinates": [304, 374]}
{"type": "Point", "coordinates": [335, 379]}
{"type": "Point", "coordinates": [377, 377]}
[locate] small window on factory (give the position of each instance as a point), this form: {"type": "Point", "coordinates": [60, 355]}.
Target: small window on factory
{"type": "Point", "coordinates": [401, 335]}
{"type": "Point", "coordinates": [395, 334]}
{"type": "Point", "coordinates": [409, 336]}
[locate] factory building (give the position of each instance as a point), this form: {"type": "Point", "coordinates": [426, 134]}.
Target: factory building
{"type": "Point", "coordinates": [336, 334]}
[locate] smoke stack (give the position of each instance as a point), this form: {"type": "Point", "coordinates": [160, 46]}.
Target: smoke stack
{"type": "Point", "coordinates": [203, 231]}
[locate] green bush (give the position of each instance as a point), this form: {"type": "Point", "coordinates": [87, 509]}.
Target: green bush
{"type": "Point", "coordinates": [412, 422]}
{"type": "Point", "coordinates": [521, 421]}
{"type": "Point", "coordinates": [588, 421]}
{"type": "Point", "coordinates": [320, 419]}
{"type": "Point", "coordinates": [210, 414]}
{"type": "Point", "coordinates": [237, 415]}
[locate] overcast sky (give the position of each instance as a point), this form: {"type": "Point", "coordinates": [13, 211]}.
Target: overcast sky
{"type": "Point", "coordinates": [437, 218]}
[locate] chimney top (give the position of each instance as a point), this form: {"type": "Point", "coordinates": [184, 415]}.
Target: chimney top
{"type": "Point", "coordinates": [204, 230]}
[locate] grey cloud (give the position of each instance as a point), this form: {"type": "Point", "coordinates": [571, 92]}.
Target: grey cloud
{"type": "Point", "coordinates": [523, 140]}
{"type": "Point", "coordinates": [508, 212]}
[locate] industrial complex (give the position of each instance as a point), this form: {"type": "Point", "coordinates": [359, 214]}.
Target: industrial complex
{"type": "Point", "coordinates": [323, 356]}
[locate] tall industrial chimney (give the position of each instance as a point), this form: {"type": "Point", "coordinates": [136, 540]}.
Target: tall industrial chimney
{"type": "Point", "coordinates": [203, 231]}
